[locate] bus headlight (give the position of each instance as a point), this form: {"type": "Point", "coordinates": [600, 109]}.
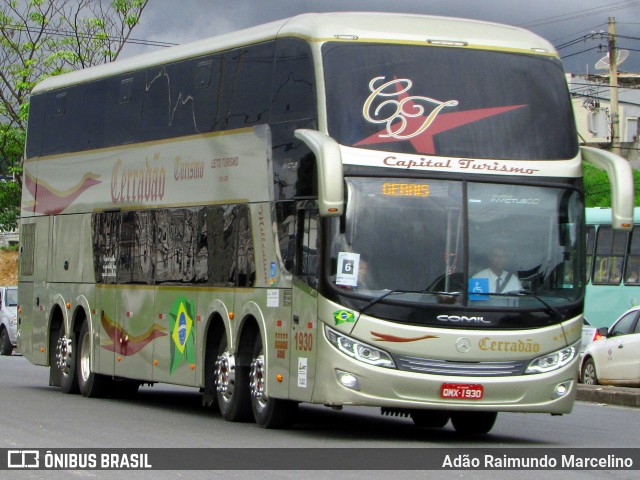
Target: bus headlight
{"type": "Point", "coordinates": [554, 360]}
{"type": "Point", "coordinates": [359, 350]}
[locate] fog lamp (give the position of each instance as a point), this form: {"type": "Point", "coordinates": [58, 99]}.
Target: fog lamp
{"type": "Point", "coordinates": [348, 380]}
{"type": "Point", "coordinates": [561, 389]}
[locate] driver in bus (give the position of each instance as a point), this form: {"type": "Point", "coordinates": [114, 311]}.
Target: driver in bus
{"type": "Point", "coordinates": [500, 280]}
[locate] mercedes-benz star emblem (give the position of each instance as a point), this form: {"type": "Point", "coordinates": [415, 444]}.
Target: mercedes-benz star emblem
{"type": "Point", "coordinates": [463, 344]}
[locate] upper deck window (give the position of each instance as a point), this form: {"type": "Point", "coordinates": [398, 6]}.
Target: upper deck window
{"type": "Point", "coordinates": [452, 102]}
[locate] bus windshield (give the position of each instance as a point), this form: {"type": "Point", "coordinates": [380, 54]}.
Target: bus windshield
{"type": "Point", "coordinates": [473, 244]}
{"type": "Point", "coordinates": [448, 102]}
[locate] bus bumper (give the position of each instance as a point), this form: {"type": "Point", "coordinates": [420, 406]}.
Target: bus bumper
{"type": "Point", "coordinates": [342, 380]}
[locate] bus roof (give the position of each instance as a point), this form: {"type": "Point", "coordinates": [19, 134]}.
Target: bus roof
{"type": "Point", "coordinates": [320, 27]}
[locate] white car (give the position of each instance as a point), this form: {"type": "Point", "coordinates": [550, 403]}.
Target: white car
{"type": "Point", "coordinates": [589, 334]}
{"type": "Point", "coordinates": [615, 358]}
{"type": "Point", "coordinates": [8, 319]}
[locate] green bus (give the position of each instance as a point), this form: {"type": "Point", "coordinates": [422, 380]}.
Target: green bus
{"type": "Point", "coordinates": [613, 268]}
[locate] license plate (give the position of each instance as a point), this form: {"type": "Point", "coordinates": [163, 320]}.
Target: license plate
{"type": "Point", "coordinates": [461, 391]}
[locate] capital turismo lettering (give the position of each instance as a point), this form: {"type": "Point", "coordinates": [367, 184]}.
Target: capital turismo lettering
{"type": "Point", "coordinates": [417, 163]}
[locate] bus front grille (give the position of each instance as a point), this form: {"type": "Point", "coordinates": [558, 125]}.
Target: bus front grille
{"type": "Point", "coordinates": [462, 369]}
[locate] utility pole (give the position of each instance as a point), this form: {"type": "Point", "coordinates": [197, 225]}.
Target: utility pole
{"type": "Point", "coordinates": [613, 87]}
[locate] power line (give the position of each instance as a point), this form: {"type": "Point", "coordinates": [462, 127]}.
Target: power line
{"type": "Point", "coordinates": [582, 51]}
{"type": "Point", "coordinates": [71, 33]}
{"type": "Point", "coordinates": [583, 13]}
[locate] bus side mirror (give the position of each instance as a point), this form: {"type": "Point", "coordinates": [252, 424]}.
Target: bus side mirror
{"type": "Point", "coordinates": [329, 167]}
{"type": "Point", "coordinates": [621, 181]}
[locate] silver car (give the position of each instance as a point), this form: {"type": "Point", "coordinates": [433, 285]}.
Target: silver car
{"type": "Point", "coordinates": [8, 319]}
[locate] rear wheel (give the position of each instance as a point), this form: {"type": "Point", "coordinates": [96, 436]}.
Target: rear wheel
{"type": "Point", "coordinates": [90, 384]}
{"type": "Point", "coordinates": [209, 395]}
{"type": "Point", "coordinates": [5, 343]}
{"type": "Point", "coordinates": [430, 418]}
{"type": "Point", "coordinates": [473, 423]}
{"type": "Point", "coordinates": [589, 375]}
{"type": "Point", "coordinates": [267, 412]}
{"type": "Point", "coordinates": [232, 386]}
{"type": "Point", "coordinates": [65, 361]}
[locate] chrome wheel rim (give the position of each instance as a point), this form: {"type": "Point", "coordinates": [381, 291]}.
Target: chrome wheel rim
{"type": "Point", "coordinates": [256, 381]}
{"type": "Point", "coordinates": [85, 360]}
{"type": "Point", "coordinates": [225, 375]}
{"type": "Point", "coordinates": [588, 378]}
{"type": "Point", "coordinates": [63, 354]}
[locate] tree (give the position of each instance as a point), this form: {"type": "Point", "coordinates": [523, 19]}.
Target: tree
{"type": "Point", "coordinates": [40, 38]}
{"type": "Point", "coordinates": [597, 190]}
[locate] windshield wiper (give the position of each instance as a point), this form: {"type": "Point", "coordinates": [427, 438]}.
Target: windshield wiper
{"type": "Point", "coordinates": [550, 309]}
{"type": "Point", "coordinates": [395, 292]}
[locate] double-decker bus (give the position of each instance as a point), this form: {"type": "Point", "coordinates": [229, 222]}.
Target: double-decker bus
{"type": "Point", "coordinates": [304, 212]}
{"type": "Point", "coordinates": [613, 267]}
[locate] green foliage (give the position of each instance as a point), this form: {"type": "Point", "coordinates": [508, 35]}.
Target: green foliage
{"type": "Point", "coordinates": [9, 205]}
{"type": "Point", "coordinates": [40, 38]}
{"type": "Point", "coordinates": [597, 190]}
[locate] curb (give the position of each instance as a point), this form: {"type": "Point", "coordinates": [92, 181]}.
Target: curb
{"type": "Point", "coordinates": [605, 394]}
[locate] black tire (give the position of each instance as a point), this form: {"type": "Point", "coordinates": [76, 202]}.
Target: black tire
{"type": "Point", "coordinates": [90, 384]}
{"type": "Point", "coordinates": [267, 412]}
{"type": "Point", "coordinates": [5, 344]}
{"type": "Point", "coordinates": [209, 396]}
{"type": "Point", "coordinates": [54, 371]}
{"type": "Point", "coordinates": [473, 423]}
{"type": "Point", "coordinates": [65, 361]}
{"type": "Point", "coordinates": [232, 386]}
{"type": "Point", "coordinates": [430, 418]}
{"type": "Point", "coordinates": [589, 376]}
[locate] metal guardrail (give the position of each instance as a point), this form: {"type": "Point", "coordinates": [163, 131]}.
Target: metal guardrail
{"type": "Point", "coordinates": [8, 238]}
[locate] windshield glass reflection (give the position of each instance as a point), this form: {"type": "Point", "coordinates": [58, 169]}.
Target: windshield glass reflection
{"type": "Point", "coordinates": [505, 246]}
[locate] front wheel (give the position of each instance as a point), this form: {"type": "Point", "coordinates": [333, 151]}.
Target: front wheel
{"type": "Point", "coordinates": [430, 418]}
{"type": "Point", "coordinates": [232, 386]}
{"type": "Point", "coordinates": [90, 384]}
{"type": "Point", "coordinates": [473, 423]}
{"type": "Point", "coordinates": [589, 375]}
{"type": "Point", "coordinates": [267, 412]}
{"type": "Point", "coordinates": [5, 343]}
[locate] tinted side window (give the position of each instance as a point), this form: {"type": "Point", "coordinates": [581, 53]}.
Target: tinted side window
{"type": "Point", "coordinates": [308, 246]}
{"type": "Point", "coordinates": [206, 90]}
{"type": "Point", "coordinates": [123, 109]}
{"type": "Point", "coordinates": [294, 92]}
{"type": "Point", "coordinates": [105, 228]}
{"type": "Point", "coordinates": [177, 245]}
{"type": "Point", "coordinates": [591, 242]}
{"type": "Point", "coordinates": [625, 325]}
{"type": "Point", "coordinates": [610, 249]}
{"type": "Point", "coordinates": [134, 261]}
{"type": "Point", "coordinates": [230, 246]}
{"type": "Point", "coordinates": [632, 268]}
{"type": "Point", "coordinates": [246, 86]}
{"type": "Point", "coordinates": [294, 105]}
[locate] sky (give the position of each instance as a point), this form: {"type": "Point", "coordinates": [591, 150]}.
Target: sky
{"type": "Point", "coordinates": [559, 21]}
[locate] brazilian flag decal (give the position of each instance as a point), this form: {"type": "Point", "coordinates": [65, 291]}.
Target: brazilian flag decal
{"type": "Point", "coordinates": [182, 328]}
{"type": "Point", "coordinates": [343, 316]}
